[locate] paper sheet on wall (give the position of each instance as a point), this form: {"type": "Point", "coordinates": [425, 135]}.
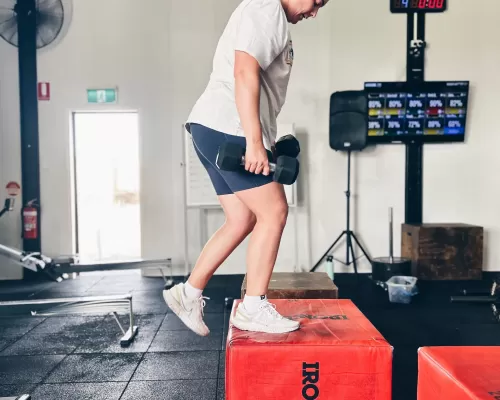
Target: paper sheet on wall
{"type": "Point", "coordinates": [199, 190]}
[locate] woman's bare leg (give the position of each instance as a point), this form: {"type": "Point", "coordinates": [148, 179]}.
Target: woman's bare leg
{"type": "Point", "coordinates": [240, 221]}
{"type": "Point", "coordinates": [269, 204]}
{"type": "Point", "coordinates": [256, 313]}
{"type": "Point", "coordinates": [185, 300]}
{"type": "Point", "coordinates": [263, 211]}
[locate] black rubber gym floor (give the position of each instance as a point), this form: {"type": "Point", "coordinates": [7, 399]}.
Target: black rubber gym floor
{"type": "Point", "coordinates": [79, 357]}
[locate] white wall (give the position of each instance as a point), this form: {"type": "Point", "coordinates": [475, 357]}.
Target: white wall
{"type": "Point", "coordinates": [10, 153]}
{"type": "Point", "coordinates": [159, 56]}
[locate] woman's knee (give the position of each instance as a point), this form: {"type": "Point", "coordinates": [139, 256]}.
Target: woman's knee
{"type": "Point", "coordinates": [268, 203]}
{"type": "Point", "coordinates": [275, 215]}
{"type": "Point", "coordinates": [242, 223]}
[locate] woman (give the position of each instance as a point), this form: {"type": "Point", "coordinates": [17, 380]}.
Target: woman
{"type": "Point", "coordinates": [246, 91]}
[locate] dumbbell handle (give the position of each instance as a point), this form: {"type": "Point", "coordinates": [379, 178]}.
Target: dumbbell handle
{"type": "Point", "coordinates": [272, 166]}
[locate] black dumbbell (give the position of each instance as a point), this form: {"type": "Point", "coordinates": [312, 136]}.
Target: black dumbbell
{"type": "Point", "coordinates": [287, 146]}
{"type": "Point", "coordinates": [231, 156]}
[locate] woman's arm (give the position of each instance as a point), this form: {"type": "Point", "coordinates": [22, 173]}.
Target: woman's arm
{"type": "Point", "coordinates": [247, 94]}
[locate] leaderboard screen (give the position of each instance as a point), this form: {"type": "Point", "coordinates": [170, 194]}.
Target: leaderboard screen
{"type": "Point", "coordinates": [424, 111]}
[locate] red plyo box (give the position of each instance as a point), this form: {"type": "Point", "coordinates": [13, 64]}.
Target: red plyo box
{"type": "Point", "coordinates": [459, 373]}
{"type": "Point", "coordinates": [336, 354]}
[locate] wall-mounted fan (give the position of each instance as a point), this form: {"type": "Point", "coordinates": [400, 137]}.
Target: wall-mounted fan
{"type": "Point", "coordinates": [53, 18]}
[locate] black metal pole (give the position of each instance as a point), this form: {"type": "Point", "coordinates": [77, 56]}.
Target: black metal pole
{"type": "Point", "coordinates": [28, 96]}
{"type": "Point", "coordinates": [410, 35]}
{"type": "Point", "coordinates": [414, 150]}
{"type": "Point", "coordinates": [348, 198]}
{"type": "Point", "coordinates": [413, 211]}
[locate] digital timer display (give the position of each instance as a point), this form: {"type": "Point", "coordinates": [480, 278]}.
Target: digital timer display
{"type": "Point", "coordinates": [426, 111]}
{"type": "Point", "coordinates": [415, 6]}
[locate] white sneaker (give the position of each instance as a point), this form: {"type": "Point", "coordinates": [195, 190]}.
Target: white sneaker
{"type": "Point", "coordinates": [266, 319]}
{"type": "Point", "coordinates": [189, 311]}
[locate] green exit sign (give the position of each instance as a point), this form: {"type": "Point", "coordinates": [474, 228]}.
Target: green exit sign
{"type": "Point", "coordinates": [102, 95]}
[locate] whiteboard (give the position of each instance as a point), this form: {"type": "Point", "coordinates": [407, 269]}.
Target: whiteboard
{"type": "Point", "coordinates": [200, 192]}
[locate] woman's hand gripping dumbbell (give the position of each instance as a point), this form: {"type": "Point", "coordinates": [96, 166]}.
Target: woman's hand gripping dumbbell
{"type": "Point", "coordinates": [231, 156]}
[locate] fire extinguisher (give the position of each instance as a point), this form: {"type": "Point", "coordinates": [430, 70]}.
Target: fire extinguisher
{"type": "Point", "coordinates": [30, 220]}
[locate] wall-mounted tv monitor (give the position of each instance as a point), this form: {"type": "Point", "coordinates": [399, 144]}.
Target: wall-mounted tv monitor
{"type": "Point", "coordinates": [429, 112]}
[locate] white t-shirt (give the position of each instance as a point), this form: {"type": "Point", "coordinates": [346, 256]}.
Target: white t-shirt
{"type": "Point", "coordinates": [259, 28]}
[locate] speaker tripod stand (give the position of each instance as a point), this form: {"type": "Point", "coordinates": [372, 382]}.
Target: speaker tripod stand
{"type": "Point", "coordinates": [350, 236]}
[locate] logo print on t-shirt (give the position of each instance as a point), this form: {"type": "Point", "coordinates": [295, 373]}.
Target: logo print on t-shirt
{"type": "Point", "coordinates": [289, 56]}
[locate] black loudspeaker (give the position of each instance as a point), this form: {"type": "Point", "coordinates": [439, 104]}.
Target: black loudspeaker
{"type": "Point", "coordinates": [348, 132]}
{"type": "Point", "coordinates": [348, 120]}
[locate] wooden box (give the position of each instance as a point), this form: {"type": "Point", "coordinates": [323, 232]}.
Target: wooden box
{"type": "Point", "coordinates": [301, 285]}
{"type": "Point", "coordinates": [443, 251]}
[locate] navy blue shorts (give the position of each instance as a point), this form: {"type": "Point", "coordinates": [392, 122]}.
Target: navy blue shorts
{"type": "Point", "coordinates": [206, 143]}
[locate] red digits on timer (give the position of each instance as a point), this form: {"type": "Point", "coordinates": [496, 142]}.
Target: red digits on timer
{"type": "Point", "coordinates": [432, 3]}
{"type": "Point", "coordinates": [440, 3]}
{"type": "Point", "coordinates": [421, 3]}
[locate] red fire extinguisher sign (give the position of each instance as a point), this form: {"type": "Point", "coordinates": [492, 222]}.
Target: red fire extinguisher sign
{"type": "Point", "coordinates": [43, 91]}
